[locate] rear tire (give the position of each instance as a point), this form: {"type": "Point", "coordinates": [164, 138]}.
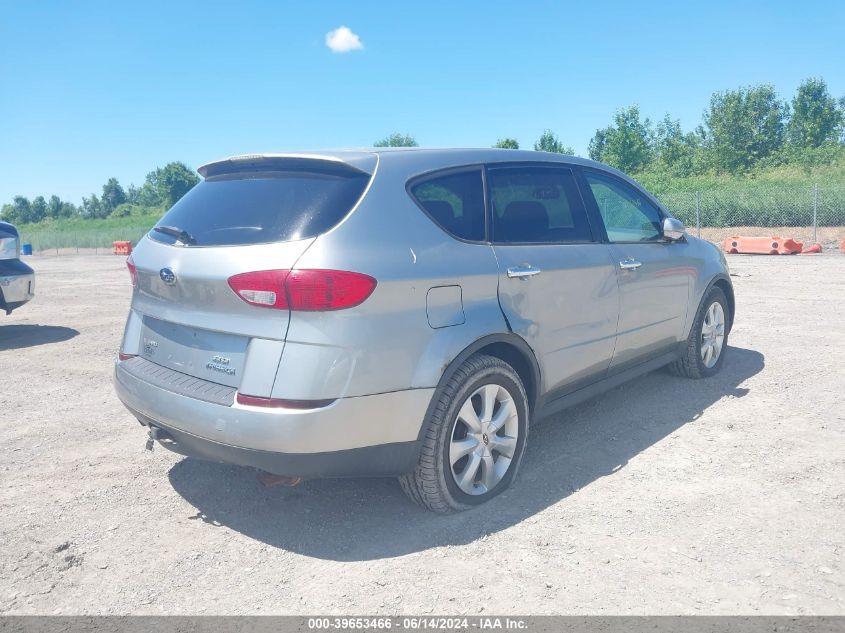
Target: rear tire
{"type": "Point", "coordinates": [473, 439]}
{"type": "Point", "coordinates": [707, 343]}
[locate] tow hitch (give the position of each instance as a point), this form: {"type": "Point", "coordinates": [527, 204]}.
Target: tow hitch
{"type": "Point", "coordinates": [151, 439]}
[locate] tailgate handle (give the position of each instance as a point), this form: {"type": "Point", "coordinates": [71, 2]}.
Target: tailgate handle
{"type": "Point", "coordinates": [523, 272]}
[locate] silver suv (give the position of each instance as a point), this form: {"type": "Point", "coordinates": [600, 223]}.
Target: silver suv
{"type": "Point", "coordinates": [406, 312]}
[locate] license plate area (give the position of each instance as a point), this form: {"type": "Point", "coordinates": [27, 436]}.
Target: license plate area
{"type": "Point", "coordinates": [214, 356]}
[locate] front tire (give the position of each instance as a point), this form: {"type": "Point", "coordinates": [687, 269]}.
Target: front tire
{"type": "Point", "coordinates": [707, 343]}
{"type": "Point", "coordinates": [474, 438]}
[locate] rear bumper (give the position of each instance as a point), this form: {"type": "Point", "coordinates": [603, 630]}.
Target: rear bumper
{"type": "Point", "coordinates": [17, 284]}
{"type": "Point", "coordinates": [385, 460]}
{"type": "Point", "coordinates": [373, 435]}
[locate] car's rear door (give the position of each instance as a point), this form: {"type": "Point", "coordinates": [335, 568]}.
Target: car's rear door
{"type": "Point", "coordinates": [654, 279]}
{"type": "Point", "coordinates": [557, 282]}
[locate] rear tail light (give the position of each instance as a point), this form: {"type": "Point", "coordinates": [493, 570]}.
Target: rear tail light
{"type": "Point", "coordinates": [121, 356]}
{"type": "Point", "coordinates": [281, 403]}
{"type": "Point", "coordinates": [306, 290]}
{"type": "Point", "coordinates": [262, 288]}
{"type": "Point", "coordinates": [133, 271]}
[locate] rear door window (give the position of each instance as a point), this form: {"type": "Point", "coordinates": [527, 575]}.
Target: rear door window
{"type": "Point", "coordinates": [455, 201]}
{"type": "Point", "coordinates": [536, 204]}
{"type": "Point", "coordinates": [262, 207]}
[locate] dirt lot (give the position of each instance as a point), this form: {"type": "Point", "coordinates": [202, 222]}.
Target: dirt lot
{"type": "Point", "coordinates": [720, 496]}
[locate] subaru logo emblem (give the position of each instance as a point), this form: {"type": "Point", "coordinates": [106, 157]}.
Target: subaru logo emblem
{"type": "Point", "coordinates": [167, 276]}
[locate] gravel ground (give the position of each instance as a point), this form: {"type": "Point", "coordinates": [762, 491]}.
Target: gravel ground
{"type": "Point", "coordinates": [720, 496]}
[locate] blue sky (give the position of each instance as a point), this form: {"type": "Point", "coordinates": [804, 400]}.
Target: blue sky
{"type": "Point", "coordinates": [95, 89]}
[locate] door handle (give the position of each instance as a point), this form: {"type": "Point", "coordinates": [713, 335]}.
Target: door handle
{"type": "Point", "coordinates": [523, 272]}
{"type": "Point", "coordinates": [629, 264]}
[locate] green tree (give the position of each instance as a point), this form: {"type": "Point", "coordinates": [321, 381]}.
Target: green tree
{"type": "Point", "coordinates": [166, 185]}
{"type": "Point", "coordinates": [133, 194]}
{"type": "Point", "coordinates": [113, 195]}
{"type": "Point", "coordinates": [743, 126]}
{"type": "Point", "coordinates": [597, 145]}
{"type": "Point", "coordinates": [549, 142]}
{"type": "Point", "coordinates": [68, 210]}
{"type": "Point", "coordinates": [147, 196]}
{"type": "Point", "coordinates": [627, 144]}
{"type": "Point", "coordinates": [92, 207]}
{"type": "Point", "coordinates": [38, 209]}
{"type": "Point", "coordinates": [54, 207]}
{"type": "Point", "coordinates": [22, 209]}
{"type": "Point", "coordinates": [507, 143]}
{"type": "Point", "coordinates": [677, 152]}
{"type": "Point", "coordinates": [7, 213]}
{"type": "Point", "coordinates": [19, 212]}
{"type": "Point", "coordinates": [816, 118]}
{"type": "Point", "coordinates": [397, 140]}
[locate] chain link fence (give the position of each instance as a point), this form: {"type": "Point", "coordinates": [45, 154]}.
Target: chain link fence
{"type": "Point", "coordinates": [811, 215]}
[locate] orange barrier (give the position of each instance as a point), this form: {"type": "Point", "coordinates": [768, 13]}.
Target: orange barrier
{"type": "Point", "coordinates": [842, 246]}
{"type": "Point", "coordinates": [815, 248]}
{"type": "Point", "coordinates": [762, 245]}
{"type": "Point", "coordinates": [122, 247]}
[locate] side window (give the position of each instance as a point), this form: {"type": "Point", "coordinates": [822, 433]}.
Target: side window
{"type": "Point", "coordinates": [628, 216]}
{"type": "Point", "coordinates": [455, 201]}
{"type": "Point", "coordinates": [536, 204]}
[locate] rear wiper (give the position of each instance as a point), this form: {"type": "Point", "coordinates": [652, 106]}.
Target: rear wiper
{"type": "Point", "coordinates": [180, 234]}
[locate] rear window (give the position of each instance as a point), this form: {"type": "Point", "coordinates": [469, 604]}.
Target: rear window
{"type": "Point", "coordinates": [256, 208]}
{"type": "Point", "coordinates": [455, 202]}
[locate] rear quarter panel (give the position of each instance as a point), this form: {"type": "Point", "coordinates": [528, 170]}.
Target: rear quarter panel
{"type": "Point", "coordinates": [387, 343]}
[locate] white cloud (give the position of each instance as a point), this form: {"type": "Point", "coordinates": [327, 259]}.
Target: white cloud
{"type": "Point", "coordinates": [343, 40]}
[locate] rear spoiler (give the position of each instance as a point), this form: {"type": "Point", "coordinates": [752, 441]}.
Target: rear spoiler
{"type": "Point", "coordinates": [362, 162]}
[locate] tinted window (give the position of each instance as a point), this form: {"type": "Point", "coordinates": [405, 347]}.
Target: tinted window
{"type": "Point", "coordinates": [537, 204]}
{"type": "Point", "coordinates": [454, 201]}
{"type": "Point", "coordinates": [257, 208]}
{"type": "Point", "coordinates": [628, 216]}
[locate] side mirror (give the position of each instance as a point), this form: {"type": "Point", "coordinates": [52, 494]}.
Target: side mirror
{"type": "Point", "coordinates": [673, 229]}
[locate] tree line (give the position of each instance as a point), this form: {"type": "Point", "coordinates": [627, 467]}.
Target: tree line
{"type": "Point", "coordinates": [742, 129]}
{"type": "Point", "coordinates": [548, 142]}
{"type": "Point", "coordinates": [161, 189]}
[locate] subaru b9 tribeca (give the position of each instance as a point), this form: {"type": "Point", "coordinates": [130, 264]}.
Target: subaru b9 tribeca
{"type": "Point", "coordinates": [406, 312]}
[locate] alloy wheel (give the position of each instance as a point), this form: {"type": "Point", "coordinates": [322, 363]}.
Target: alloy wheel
{"type": "Point", "coordinates": [712, 334]}
{"type": "Point", "coordinates": [484, 439]}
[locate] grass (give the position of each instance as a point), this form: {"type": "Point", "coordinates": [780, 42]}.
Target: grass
{"type": "Point", "coordinates": [82, 233]}
{"type": "Point", "coordinates": [780, 196]}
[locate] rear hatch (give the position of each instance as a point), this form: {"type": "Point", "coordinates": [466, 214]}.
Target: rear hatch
{"type": "Point", "coordinates": [247, 216]}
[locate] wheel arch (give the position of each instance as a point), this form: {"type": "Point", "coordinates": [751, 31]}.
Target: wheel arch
{"type": "Point", "coordinates": [509, 347]}
{"type": "Point", "coordinates": [724, 284]}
